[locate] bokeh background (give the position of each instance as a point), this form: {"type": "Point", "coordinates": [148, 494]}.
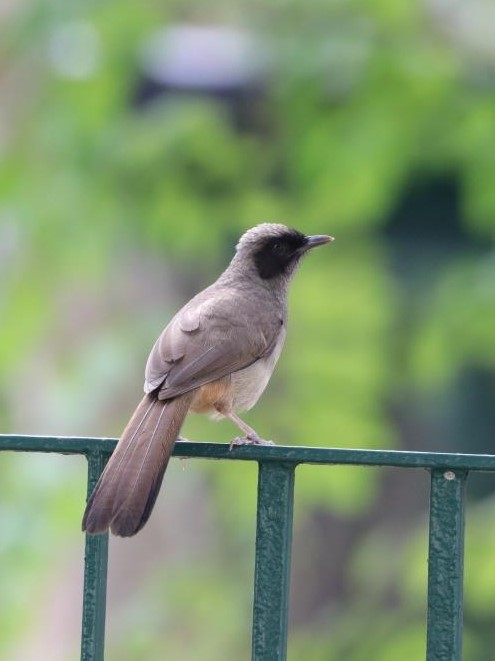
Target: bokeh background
{"type": "Point", "coordinates": [138, 140]}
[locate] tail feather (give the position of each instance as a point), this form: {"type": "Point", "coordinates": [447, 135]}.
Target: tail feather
{"type": "Point", "coordinates": [128, 487]}
{"type": "Point", "coordinates": [96, 518]}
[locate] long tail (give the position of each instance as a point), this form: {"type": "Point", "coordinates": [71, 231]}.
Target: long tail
{"type": "Point", "coordinates": [127, 489]}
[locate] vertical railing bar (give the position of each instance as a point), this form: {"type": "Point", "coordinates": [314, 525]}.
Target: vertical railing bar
{"type": "Point", "coordinates": [445, 565]}
{"type": "Point", "coordinates": [272, 561]}
{"type": "Point", "coordinates": [95, 578]}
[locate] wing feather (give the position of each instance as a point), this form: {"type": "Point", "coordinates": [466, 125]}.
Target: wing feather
{"type": "Point", "coordinates": [214, 335]}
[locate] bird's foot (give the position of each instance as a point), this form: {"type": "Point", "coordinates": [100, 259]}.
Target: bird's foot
{"type": "Point", "coordinates": [182, 439]}
{"type": "Point", "coordinates": [250, 439]}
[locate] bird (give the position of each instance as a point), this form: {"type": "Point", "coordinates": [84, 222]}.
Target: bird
{"type": "Point", "coordinates": [214, 357]}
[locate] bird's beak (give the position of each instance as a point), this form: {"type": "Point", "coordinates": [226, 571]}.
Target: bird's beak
{"type": "Point", "coordinates": [317, 240]}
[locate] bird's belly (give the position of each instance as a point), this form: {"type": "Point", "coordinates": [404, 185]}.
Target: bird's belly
{"type": "Point", "coordinates": [239, 391]}
{"type": "Point", "coordinates": [248, 384]}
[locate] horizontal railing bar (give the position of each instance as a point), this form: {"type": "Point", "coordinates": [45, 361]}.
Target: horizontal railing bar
{"type": "Point", "coordinates": [58, 444]}
{"type": "Point", "coordinates": [295, 454]}
{"type": "Point", "coordinates": [337, 456]}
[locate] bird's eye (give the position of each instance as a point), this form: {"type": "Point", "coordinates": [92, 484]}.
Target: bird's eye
{"type": "Point", "coordinates": [278, 248]}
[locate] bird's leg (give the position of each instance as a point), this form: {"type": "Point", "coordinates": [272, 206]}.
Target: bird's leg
{"type": "Point", "coordinates": [251, 437]}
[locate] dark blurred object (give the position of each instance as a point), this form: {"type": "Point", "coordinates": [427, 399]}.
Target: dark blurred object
{"type": "Point", "coordinates": [426, 228]}
{"type": "Point", "coordinates": [223, 63]}
{"type": "Point", "coordinates": [425, 233]}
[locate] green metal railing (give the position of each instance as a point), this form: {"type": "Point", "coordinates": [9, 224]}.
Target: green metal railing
{"type": "Point", "coordinates": [277, 466]}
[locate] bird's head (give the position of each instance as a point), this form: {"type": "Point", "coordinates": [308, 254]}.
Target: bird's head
{"type": "Point", "coordinates": [273, 250]}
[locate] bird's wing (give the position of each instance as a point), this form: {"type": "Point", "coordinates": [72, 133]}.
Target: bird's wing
{"type": "Point", "coordinates": [214, 335]}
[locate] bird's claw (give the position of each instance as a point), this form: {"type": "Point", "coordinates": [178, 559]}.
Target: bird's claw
{"type": "Point", "coordinates": [249, 440]}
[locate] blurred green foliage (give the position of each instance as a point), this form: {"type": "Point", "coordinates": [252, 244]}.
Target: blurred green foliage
{"type": "Point", "coordinates": [97, 198]}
